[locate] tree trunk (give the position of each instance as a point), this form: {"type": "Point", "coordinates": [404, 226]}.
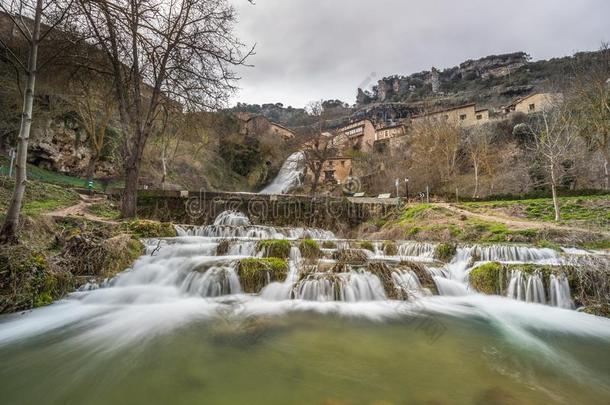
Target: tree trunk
{"type": "Point", "coordinates": [8, 233]}
{"type": "Point", "coordinates": [554, 193]}
{"type": "Point", "coordinates": [476, 180]}
{"type": "Point", "coordinates": [130, 194]}
{"type": "Point", "coordinates": [91, 167]}
{"type": "Point", "coordinates": [607, 170]}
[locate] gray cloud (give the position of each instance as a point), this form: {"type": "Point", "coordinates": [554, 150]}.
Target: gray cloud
{"type": "Point", "coordinates": [313, 49]}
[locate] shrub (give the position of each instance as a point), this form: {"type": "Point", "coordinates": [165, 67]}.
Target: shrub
{"type": "Point", "coordinates": [254, 274]}
{"type": "Point", "coordinates": [279, 248]}
{"type": "Point", "coordinates": [445, 252]}
{"type": "Point", "coordinates": [310, 249]}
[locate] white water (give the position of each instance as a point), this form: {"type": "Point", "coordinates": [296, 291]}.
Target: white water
{"type": "Point", "coordinates": [290, 175]}
{"type": "Point", "coordinates": [183, 279]}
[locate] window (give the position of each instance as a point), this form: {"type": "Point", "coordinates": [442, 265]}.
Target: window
{"type": "Point", "coordinates": [462, 117]}
{"type": "Point", "coordinates": [479, 116]}
{"type": "Point", "coordinates": [532, 107]}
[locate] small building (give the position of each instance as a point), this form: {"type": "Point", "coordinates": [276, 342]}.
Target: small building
{"type": "Point", "coordinates": [282, 131]}
{"type": "Point", "coordinates": [534, 103]}
{"type": "Point", "coordinates": [254, 124]}
{"type": "Point", "coordinates": [336, 170]}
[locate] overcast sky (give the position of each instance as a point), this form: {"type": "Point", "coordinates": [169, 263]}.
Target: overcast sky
{"type": "Point", "coordinates": [325, 49]}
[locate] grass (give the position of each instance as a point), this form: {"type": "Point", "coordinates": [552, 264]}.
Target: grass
{"type": "Point", "coordinates": [39, 197]}
{"type": "Point", "coordinates": [278, 248]}
{"type": "Point", "coordinates": [592, 211]}
{"type": "Point", "coordinates": [106, 209]}
{"type": "Point", "coordinates": [48, 176]}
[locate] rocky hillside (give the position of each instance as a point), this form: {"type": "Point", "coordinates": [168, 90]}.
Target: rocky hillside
{"type": "Point", "coordinates": [493, 81]}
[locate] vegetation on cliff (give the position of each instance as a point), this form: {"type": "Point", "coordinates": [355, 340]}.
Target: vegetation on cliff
{"type": "Point", "coordinates": [254, 274]}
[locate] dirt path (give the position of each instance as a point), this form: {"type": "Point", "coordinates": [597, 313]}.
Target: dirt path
{"type": "Point", "coordinates": [80, 210]}
{"type": "Point", "coordinates": [515, 223]}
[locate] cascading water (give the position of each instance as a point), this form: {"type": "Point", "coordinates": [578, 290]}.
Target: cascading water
{"type": "Point", "coordinates": [290, 175]}
{"type": "Point", "coordinates": [179, 327]}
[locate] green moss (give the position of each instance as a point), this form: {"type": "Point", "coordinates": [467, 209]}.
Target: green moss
{"type": "Point", "coordinates": [390, 248]}
{"type": "Point", "coordinates": [121, 252]}
{"type": "Point", "coordinates": [487, 278]}
{"type": "Point", "coordinates": [254, 274]}
{"type": "Point", "coordinates": [150, 229]}
{"type": "Point", "coordinates": [445, 252]}
{"type": "Point", "coordinates": [279, 248]}
{"type": "Point", "coordinates": [310, 249]}
{"type": "Point", "coordinates": [367, 245]}
{"type": "Point", "coordinates": [27, 280]}
{"type": "Point", "coordinates": [329, 244]}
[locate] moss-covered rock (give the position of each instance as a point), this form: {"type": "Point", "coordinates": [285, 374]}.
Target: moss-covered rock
{"type": "Point", "coordinates": [122, 251]}
{"type": "Point", "coordinates": [150, 229]}
{"type": "Point", "coordinates": [488, 278]}
{"type": "Point", "coordinates": [254, 274]}
{"type": "Point", "coordinates": [351, 256]}
{"type": "Point", "coordinates": [278, 248]}
{"type": "Point", "coordinates": [367, 245]}
{"type": "Point", "coordinates": [310, 249]}
{"type": "Point", "coordinates": [27, 279]}
{"type": "Point", "coordinates": [390, 248]}
{"type": "Point", "coordinates": [384, 273]}
{"type": "Point", "coordinates": [445, 252]}
{"type": "Point", "coordinates": [329, 244]}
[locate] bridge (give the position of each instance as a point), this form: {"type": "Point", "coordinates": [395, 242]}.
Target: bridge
{"type": "Point", "coordinates": [202, 207]}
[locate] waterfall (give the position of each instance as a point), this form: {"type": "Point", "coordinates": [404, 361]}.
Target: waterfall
{"type": "Point", "coordinates": [530, 288]}
{"type": "Point", "coordinates": [409, 284]}
{"type": "Point", "coordinates": [560, 291]}
{"type": "Point", "coordinates": [290, 175]}
{"type": "Point", "coordinates": [232, 218]}
{"type": "Point", "coordinates": [416, 251]}
{"type": "Point", "coordinates": [348, 287]}
{"type": "Point", "coordinates": [516, 254]}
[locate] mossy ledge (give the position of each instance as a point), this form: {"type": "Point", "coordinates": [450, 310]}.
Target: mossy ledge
{"type": "Point", "coordinates": [489, 278]}
{"type": "Point", "coordinates": [351, 256]}
{"type": "Point", "coordinates": [367, 245]}
{"type": "Point", "coordinates": [150, 229]}
{"type": "Point", "coordinates": [254, 274]}
{"type": "Point", "coordinates": [278, 248]}
{"type": "Point", "coordinates": [310, 249]}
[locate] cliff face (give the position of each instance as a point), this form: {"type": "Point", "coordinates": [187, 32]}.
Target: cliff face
{"type": "Point", "coordinates": [61, 146]}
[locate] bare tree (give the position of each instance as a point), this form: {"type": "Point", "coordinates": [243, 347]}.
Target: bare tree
{"type": "Point", "coordinates": [589, 98]}
{"type": "Point", "coordinates": [177, 51]}
{"type": "Point", "coordinates": [478, 148]}
{"type": "Point", "coordinates": [552, 132]}
{"type": "Point", "coordinates": [95, 106]}
{"type": "Point", "coordinates": [318, 148]}
{"type": "Point", "coordinates": [33, 21]}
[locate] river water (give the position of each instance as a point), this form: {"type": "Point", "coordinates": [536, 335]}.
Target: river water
{"type": "Point", "coordinates": [177, 329]}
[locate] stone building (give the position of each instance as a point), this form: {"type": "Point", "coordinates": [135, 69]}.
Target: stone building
{"type": "Point", "coordinates": [465, 115]}
{"type": "Point", "coordinates": [336, 170]}
{"type": "Point", "coordinates": [359, 135]}
{"type": "Point", "coordinates": [252, 125]}
{"type": "Point", "coordinates": [391, 131]}
{"type": "Point", "coordinates": [534, 103]}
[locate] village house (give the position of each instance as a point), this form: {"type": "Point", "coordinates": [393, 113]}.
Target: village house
{"type": "Point", "coordinates": [391, 131]}
{"type": "Point", "coordinates": [336, 170]}
{"type": "Point", "coordinates": [465, 115]}
{"type": "Point", "coordinates": [359, 135]}
{"type": "Point", "coordinates": [252, 124]}
{"type": "Point", "coordinates": [534, 103]}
